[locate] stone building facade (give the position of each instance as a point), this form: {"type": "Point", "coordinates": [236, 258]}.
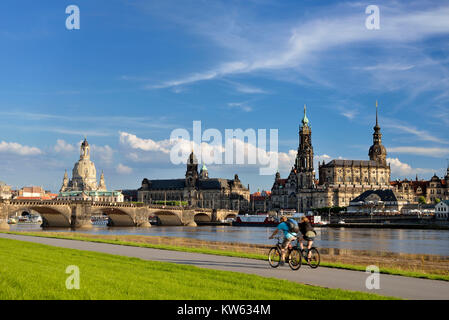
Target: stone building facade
{"type": "Point", "coordinates": [197, 189]}
{"type": "Point", "coordinates": [5, 191]}
{"type": "Point", "coordinates": [339, 180]}
{"type": "Point", "coordinates": [412, 190]}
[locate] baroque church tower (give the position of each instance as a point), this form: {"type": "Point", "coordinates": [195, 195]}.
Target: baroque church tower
{"type": "Point", "coordinates": [192, 170]}
{"type": "Point", "coordinates": [377, 152]}
{"type": "Point", "coordinates": [304, 157]}
{"type": "Point", "coordinates": [84, 174]}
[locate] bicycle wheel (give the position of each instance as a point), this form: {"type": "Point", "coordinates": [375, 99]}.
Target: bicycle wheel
{"type": "Point", "coordinates": [315, 259]}
{"type": "Point", "coordinates": [294, 260]}
{"type": "Point", "coordinates": [274, 257]}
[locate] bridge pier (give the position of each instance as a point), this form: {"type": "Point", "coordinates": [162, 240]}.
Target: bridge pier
{"type": "Point", "coordinates": [81, 216]}
{"type": "Point", "coordinates": [3, 218]}
{"type": "Point", "coordinates": [141, 219]}
{"type": "Point", "coordinates": [188, 218]}
{"type": "Point", "coordinates": [4, 224]}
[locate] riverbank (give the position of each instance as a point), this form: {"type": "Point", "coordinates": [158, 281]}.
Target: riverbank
{"type": "Point", "coordinates": [415, 265]}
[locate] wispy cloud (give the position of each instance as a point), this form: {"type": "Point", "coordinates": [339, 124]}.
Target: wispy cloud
{"type": "Point", "coordinates": [294, 44]}
{"type": "Point", "coordinates": [421, 151]}
{"type": "Point", "coordinates": [240, 105]}
{"type": "Point", "coordinates": [419, 134]}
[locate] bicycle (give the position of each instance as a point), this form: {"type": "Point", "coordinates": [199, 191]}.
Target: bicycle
{"type": "Point", "coordinates": [275, 253]}
{"type": "Point", "coordinates": [296, 256]}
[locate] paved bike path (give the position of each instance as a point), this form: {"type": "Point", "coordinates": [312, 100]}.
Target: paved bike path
{"type": "Point", "coordinates": [390, 285]}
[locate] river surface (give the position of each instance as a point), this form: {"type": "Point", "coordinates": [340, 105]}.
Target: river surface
{"type": "Point", "coordinates": [388, 240]}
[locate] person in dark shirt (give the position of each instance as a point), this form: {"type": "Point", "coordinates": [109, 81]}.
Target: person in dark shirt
{"type": "Point", "coordinates": [308, 234]}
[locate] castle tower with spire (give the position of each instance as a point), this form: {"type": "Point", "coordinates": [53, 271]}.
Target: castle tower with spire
{"type": "Point", "coordinates": [304, 156]}
{"type": "Point", "coordinates": [377, 152]}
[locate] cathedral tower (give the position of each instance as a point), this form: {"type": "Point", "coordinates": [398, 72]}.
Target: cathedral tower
{"type": "Point", "coordinates": [377, 151]}
{"type": "Point", "coordinates": [304, 157]}
{"type": "Point", "coordinates": [192, 171]}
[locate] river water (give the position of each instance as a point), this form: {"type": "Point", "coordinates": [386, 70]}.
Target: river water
{"type": "Point", "coordinates": [388, 240]}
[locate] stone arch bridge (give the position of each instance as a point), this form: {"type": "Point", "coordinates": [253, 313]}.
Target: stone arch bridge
{"type": "Point", "coordinates": [77, 214]}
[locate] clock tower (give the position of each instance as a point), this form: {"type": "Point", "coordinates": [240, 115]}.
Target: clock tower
{"type": "Point", "coordinates": [304, 157]}
{"type": "Point", "coordinates": [377, 152]}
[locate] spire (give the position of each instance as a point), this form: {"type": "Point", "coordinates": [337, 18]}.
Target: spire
{"type": "Point", "coordinates": [376, 127]}
{"type": "Point", "coordinates": [447, 170]}
{"type": "Point", "coordinates": [305, 120]}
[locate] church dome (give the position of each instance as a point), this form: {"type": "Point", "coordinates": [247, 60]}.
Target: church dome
{"type": "Point", "coordinates": [84, 169]}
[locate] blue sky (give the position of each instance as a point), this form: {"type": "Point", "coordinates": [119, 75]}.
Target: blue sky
{"type": "Point", "coordinates": [136, 70]}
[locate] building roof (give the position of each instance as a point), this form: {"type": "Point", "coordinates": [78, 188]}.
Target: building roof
{"type": "Point", "coordinates": [178, 184]}
{"type": "Point", "coordinates": [164, 184]}
{"type": "Point", "coordinates": [384, 195]}
{"type": "Point", "coordinates": [349, 163]}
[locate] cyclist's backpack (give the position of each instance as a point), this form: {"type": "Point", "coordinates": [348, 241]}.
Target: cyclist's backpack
{"type": "Point", "coordinates": [292, 226]}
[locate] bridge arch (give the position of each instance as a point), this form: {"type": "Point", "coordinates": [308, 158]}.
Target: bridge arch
{"type": "Point", "coordinates": [202, 217]}
{"type": "Point", "coordinates": [117, 217]}
{"type": "Point", "coordinates": [231, 215]}
{"type": "Point", "coordinates": [51, 217]}
{"type": "Point", "coordinates": [168, 218]}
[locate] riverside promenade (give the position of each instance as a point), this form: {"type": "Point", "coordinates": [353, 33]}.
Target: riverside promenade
{"type": "Point", "coordinates": [390, 285]}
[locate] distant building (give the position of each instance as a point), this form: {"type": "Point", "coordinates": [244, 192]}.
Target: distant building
{"type": "Point", "coordinates": [83, 185]}
{"type": "Point", "coordinates": [5, 191]}
{"type": "Point", "coordinates": [103, 196]}
{"type": "Point", "coordinates": [260, 201]}
{"type": "Point", "coordinates": [197, 189]}
{"type": "Point", "coordinates": [130, 195]}
{"type": "Point", "coordinates": [412, 190]}
{"type": "Point", "coordinates": [34, 193]}
{"type": "Point", "coordinates": [339, 180]}
{"type": "Point", "coordinates": [442, 210]}
{"type": "Point", "coordinates": [376, 202]}
{"type": "Point", "coordinates": [418, 208]}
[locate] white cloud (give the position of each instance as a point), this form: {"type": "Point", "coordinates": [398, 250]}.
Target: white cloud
{"type": "Point", "coordinates": [62, 146]}
{"type": "Point", "coordinates": [148, 150]}
{"type": "Point", "coordinates": [103, 153]}
{"type": "Point", "coordinates": [16, 148]}
{"type": "Point", "coordinates": [122, 169]}
{"type": "Point", "coordinates": [399, 168]}
{"type": "Point", "coordinates": [144, 144]}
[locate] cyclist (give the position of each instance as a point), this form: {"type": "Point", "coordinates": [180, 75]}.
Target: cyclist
{"type": "Point", "coordinates": [289, 236]}
{"type": "Point", "coordinates": [308, 234]}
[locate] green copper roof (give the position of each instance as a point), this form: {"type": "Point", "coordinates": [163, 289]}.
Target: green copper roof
{"type": "Point", "coordinates": [305, 120]}
{"type": "Point", "coordinates": [203, 167]}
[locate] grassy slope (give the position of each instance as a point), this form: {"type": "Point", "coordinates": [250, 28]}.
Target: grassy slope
{"type": "Point", "coordinates": [35, 271]}
{"type": "Point", "coordinates": [392, 271]}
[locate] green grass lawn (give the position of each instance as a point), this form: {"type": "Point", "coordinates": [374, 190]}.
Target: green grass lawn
{"type": "Point", "coordinates": [392, 270]}
{"type": "Point", "coordinates": [35, 271]}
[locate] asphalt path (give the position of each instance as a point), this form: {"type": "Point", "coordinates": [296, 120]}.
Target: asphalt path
{"type": "Point", "coordinates": [390, 285]}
